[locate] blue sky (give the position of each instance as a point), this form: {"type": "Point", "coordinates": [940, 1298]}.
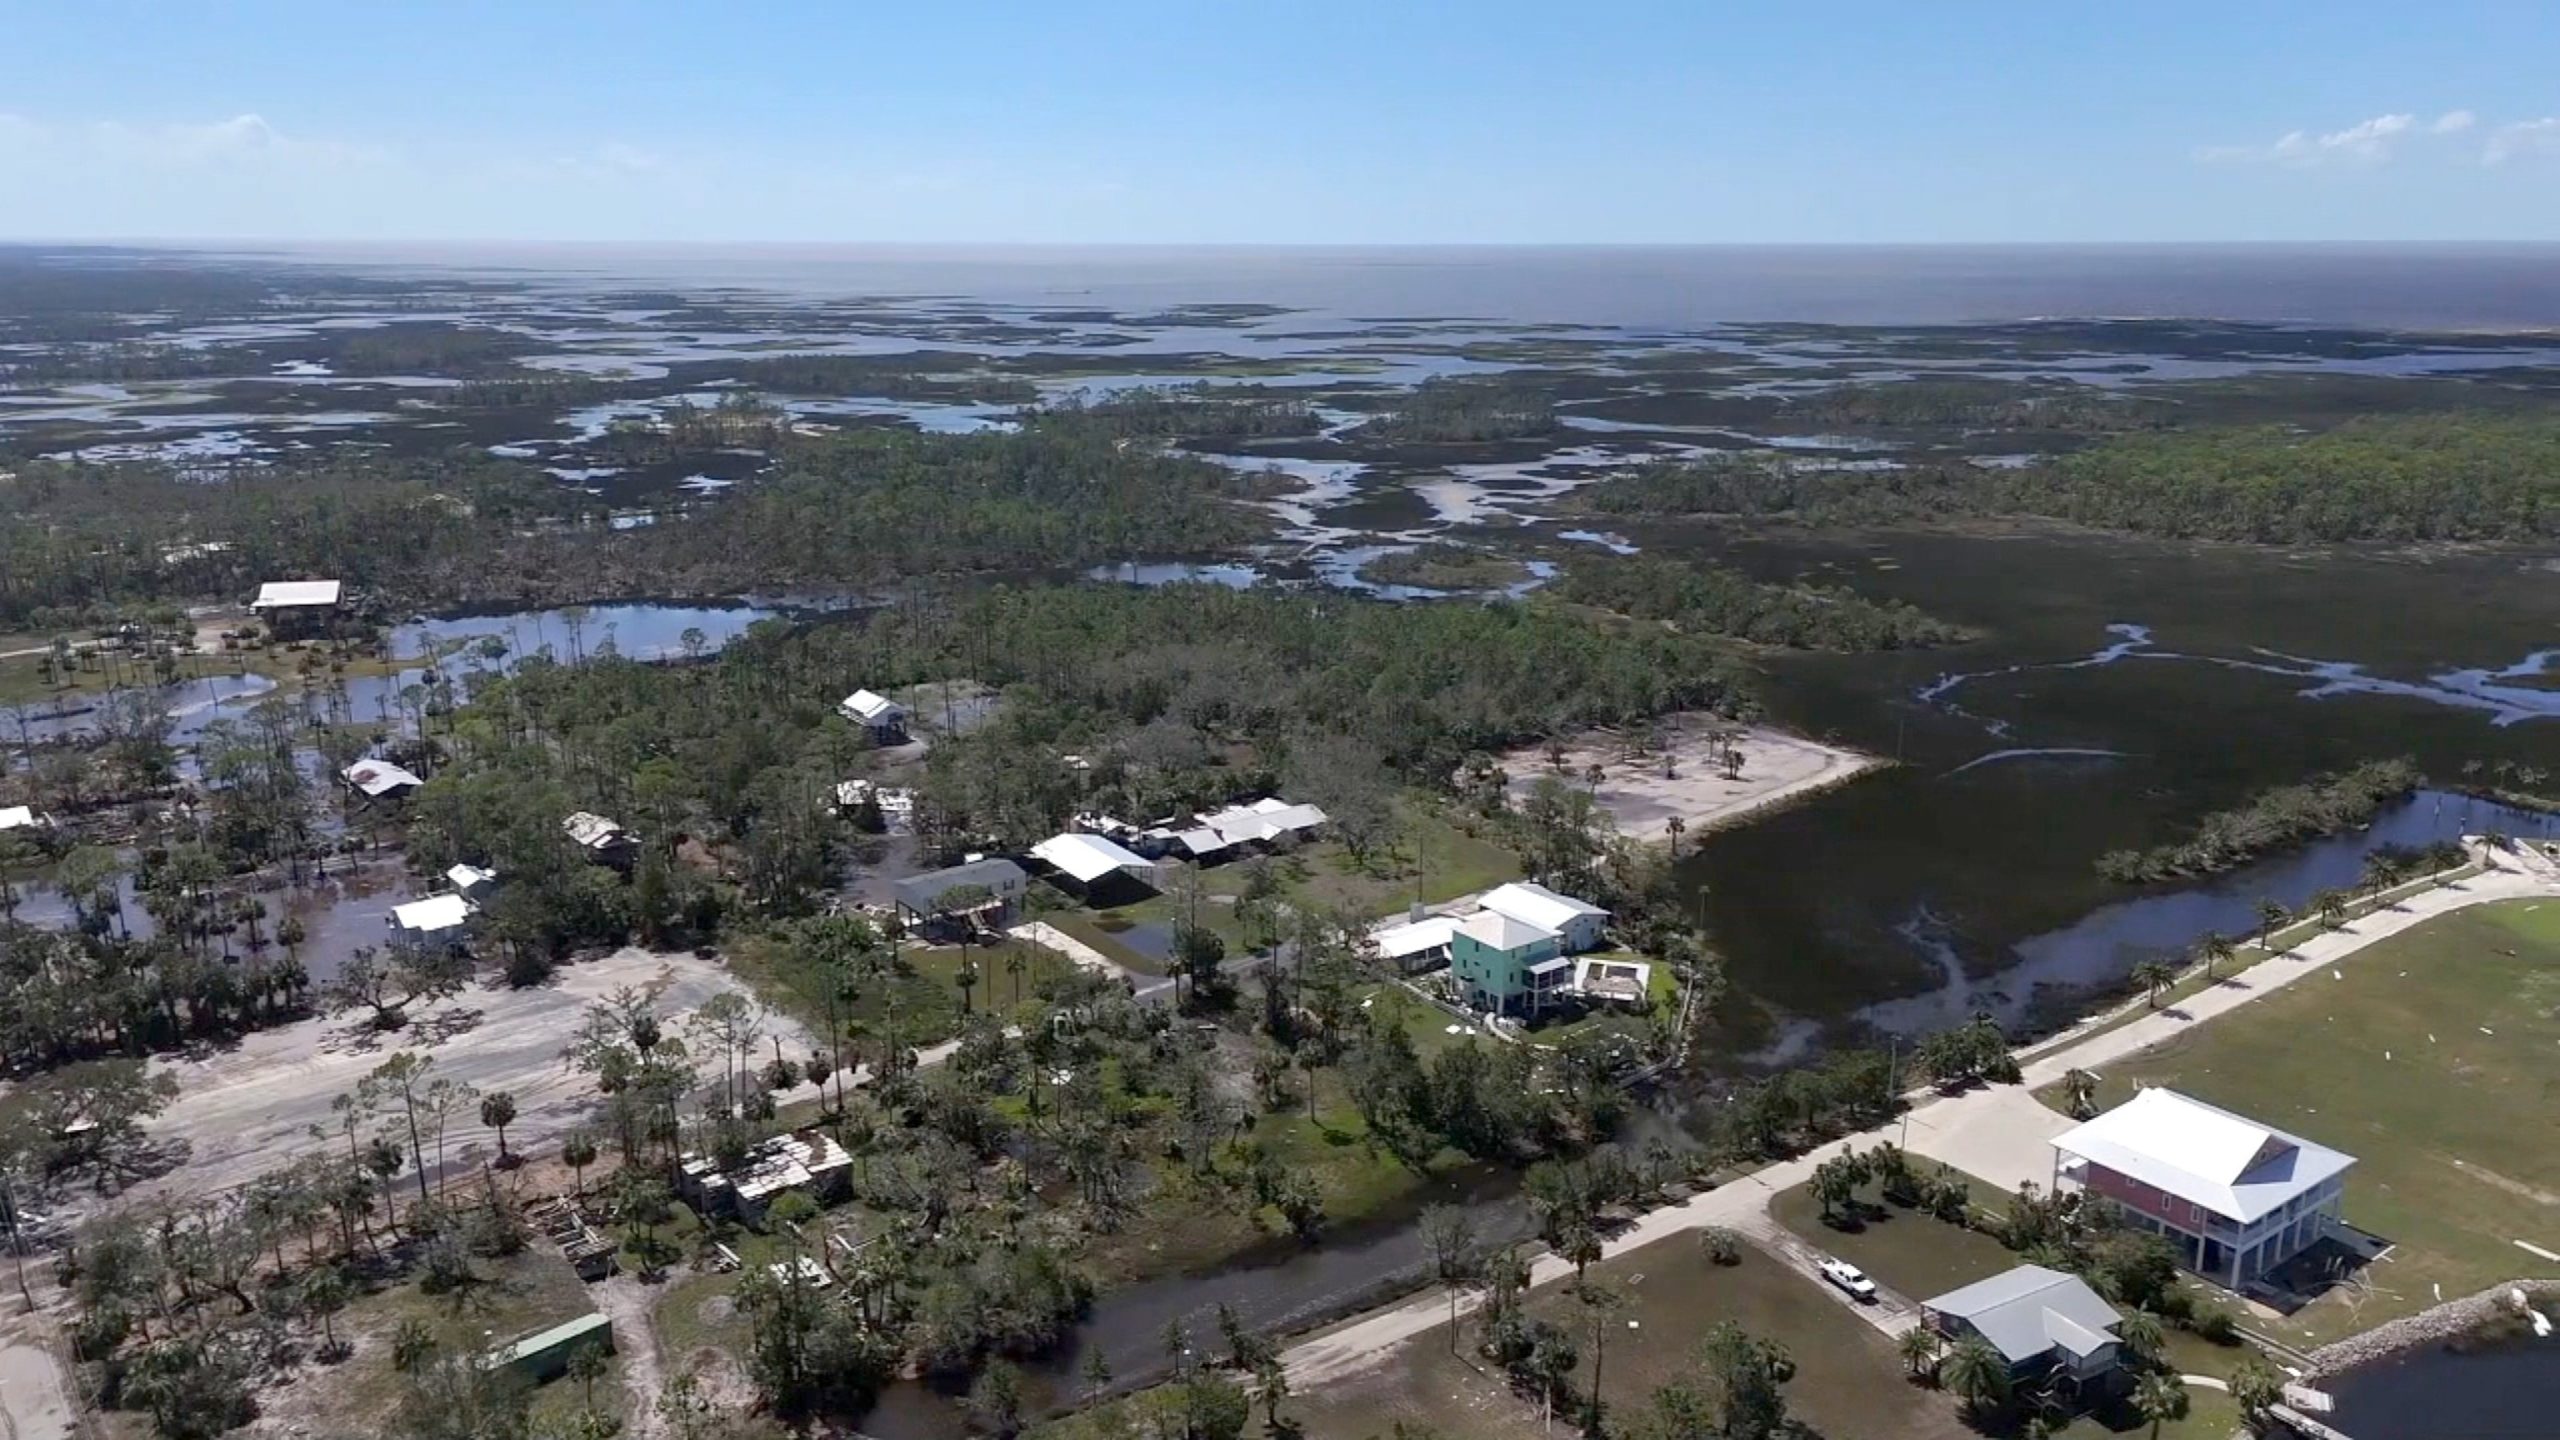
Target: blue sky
{"type": "Point", "coordinates": [1313, 121]}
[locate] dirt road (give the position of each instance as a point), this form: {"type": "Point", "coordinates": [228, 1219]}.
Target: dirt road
{"type": "Point", "coordinates": [242, 1110]}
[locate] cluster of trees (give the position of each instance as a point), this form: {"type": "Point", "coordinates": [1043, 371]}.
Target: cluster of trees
{"type": "Point", "coordinates": [948, 376]}
{"type": "Point", "coordinates": [2270, 821]}
{"type": "Point", "coordinates": [1732, 1389]}
{"type": "Point", "coordinates": [83, 537]}
{"type": "Point", "coordinates": [129, 361]}
{"type": "Point", "coordinates": [1193, 412]}
{"type": "Point", "coordinates": [2459, 476]}
{"type": "Point", "coordinates": [1446, 411]}
{"type": "Point", "coordinates": [1773, 487]}
{"type": "Point", "coordinates": [1938, 1191]}
{"type": "Point", "coordinates": [2396, 479]}
{"type": "Point", "coordinates": [68, 996]}
{"type": "Point", "coordinates": [1180, 696]}
{"type": "Point", "coordinates": [1705, 600]}
{"type": "Point", "coordinates": [863, 507]}
{"type": "Point", "coordinates": [1974, 405]}
{"type": "Point", "coordinates": [184, 1305]}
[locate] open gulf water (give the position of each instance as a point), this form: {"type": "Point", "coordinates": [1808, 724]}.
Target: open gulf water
{"type": "Point", "coordinates": [2498, 287]}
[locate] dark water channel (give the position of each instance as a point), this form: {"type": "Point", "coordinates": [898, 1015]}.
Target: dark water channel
{"type": "Point", "coordinates": [2054, 975]}
{"type": "Point", "coordinates": [1287, 1286]}
{"type": "Point", "coordinates": [2506, 1390]}
{"type": "Point", "coordinates": [2118, 693]}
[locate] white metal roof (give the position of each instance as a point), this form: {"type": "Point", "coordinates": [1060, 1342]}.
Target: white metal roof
{"type": "Point", "coordinates": [1537, 905]}
{"type": "Point", "coordinates": [1503, 932]}
{"type": "Point", "coordinates": [376, 778]}
{"type": "Point", "coordinates": [1090, 857]}
{"type": "Point", "coordinates": [17, 817]}
{"type": "Point", "coordinates": [469, 877]}
{"type": "Point", "coordinates": [287, 594]}
{"type": "Point", "coordinates": [2029, 1310]}
{"type": "Point", "coordinates": [871, 708]}
{"type": "Point", "coordinates": [1395, 942]}
{"type": "Point", "coordinates": [433, 914]}
{"type": "Point", "coordinates": [2230, 1165]}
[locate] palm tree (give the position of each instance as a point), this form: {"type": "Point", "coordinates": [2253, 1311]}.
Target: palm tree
{"type": "Point", "coordinates": [1919, 1346]}
{"type": "Point", "coordinates": [2256, 1387]}
{"type": "Point", "coordinates": [2160, 1398]}
{"type": "Point", "coordinates": [2079, 1094]}
{"type": "Point", "coordinates": [578, 1151]}
{"type": "Point", "coordinates": [1672, 827]}
{"type": "Point", "coordinates": [2217, 953]}
{"type": "Point", "coordinates": [2140, 1335]}
{"type": "Point", "coordinates": [1978, 1374]}
{"type": "Point", "coordinates": [1599, 1301]}
{"type": "Point", "coordinates": [498, 1111]}
{"type": "Point", "coordinates": [2333, 909]}
{"type": "Point", "coordinates": [1835, 1185]}
{"type": "Point", "coordinates": [2155, 977]}
{"type": "Point", "coordinates": [2271, 918]}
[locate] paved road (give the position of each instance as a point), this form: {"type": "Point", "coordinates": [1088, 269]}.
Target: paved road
{"type": "Point", "coordinates": [2000, 1134]}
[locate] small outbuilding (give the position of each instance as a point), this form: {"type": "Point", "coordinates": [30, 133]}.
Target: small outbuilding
{"type": "Point", "coordinates": [471, 882]}
{"type": "Point", "coordinates": [545, 1354]}
{"type": "Point", "coordinates": [379, 780]}
{"type": "Point", "coordinates": [885, 718]}
{"type": "Point", "coordinates": [20, 817]}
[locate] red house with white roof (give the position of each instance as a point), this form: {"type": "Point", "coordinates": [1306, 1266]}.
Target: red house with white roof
{"type": "Point", "coordinates": [2236, 1198]}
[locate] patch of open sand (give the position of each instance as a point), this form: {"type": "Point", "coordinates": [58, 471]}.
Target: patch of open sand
{"type": "Point", "coordinates": [239, 1111]}
{"type": "Point", "coordinates": [1685, 778]}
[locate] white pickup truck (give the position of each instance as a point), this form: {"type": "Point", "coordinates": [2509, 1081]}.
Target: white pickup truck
{"type": "Point", "coordinates": [1850, 1279]}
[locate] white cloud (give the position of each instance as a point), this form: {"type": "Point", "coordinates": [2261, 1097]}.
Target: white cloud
{"type": "Point", "coordinates": [2524, 137]}
{"type": "Point", "coordinates": [2367, 142]}
{"type": "Point", "coordinates": [2453, 122]}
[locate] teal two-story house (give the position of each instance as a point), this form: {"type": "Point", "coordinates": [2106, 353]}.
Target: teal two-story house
{"type": "Point", "coordinates": [1508, 965]}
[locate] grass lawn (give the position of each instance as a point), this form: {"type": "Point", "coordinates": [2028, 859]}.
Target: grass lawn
{"type": "Point", "coordinates": [1906, 1250]}
{"type": "Point", "coordinates": [929, 998]}
{"type": "Point", "coordinates": [1849, 1384]}
{"type": "Point", "coordinates": [1425, 1025]}
{"type": "Point", "coordinates": [2431, 1058]}
{"type": "Point", "coordinates": [2247, 953]}
{"type": "Point", "coordinates": [528, 1291]}
{"type": "Point", "coordinates": [1197, 1223]}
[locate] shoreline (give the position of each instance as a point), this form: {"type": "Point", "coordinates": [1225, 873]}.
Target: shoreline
{"type": "Point", "coordinates": [2434, 1326]}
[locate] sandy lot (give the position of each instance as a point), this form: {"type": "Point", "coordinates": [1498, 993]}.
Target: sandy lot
{"type": "Point", "coordinates": [243, 1109]}
{"type": "Point", "coordinates": [1638, 794]}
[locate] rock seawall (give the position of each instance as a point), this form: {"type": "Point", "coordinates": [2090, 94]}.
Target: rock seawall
{"type": "Point", "coordinates": [2444, 1324]}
